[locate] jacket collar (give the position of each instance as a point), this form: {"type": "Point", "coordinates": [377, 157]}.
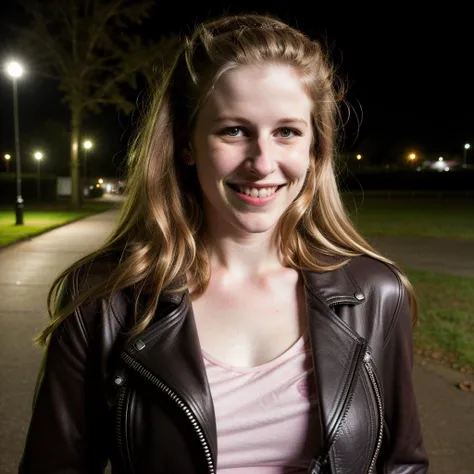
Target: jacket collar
{"type": "Point", "coordinates": [334, 286]}
{"type": "Point", "coordinates": [170, 350]}
{"type": "Point", "coordinates": [337, 350]}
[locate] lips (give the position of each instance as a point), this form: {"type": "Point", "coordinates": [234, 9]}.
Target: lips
{"type": "Point", "coordinates": [236, 187]}
{"type": "Point", "coordinates": [252, 199]}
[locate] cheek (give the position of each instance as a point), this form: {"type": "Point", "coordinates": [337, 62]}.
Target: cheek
{"type": "Point", "coordinates": [296, 163]}
{"type": "Point", "coordinates": [296, 170]}
{"type": "Point", "coordinates": [220, 160]}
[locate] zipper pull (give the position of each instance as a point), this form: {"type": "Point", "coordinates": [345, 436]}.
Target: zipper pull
{"type": "Point", "coordinates": [114, 386]}
{"type": "Point", "coordinates": [119, 379]}
{"type": "Point", "coordinates": [316, 466]}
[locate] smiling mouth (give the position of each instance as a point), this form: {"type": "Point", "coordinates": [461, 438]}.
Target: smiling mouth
{"type": "Point", "coordinates": [255, 192]}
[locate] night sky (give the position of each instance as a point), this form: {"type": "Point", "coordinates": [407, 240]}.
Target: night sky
{"type": "Point", "coordinates": [408, 70]}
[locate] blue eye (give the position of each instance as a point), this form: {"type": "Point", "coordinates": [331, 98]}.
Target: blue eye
{"type": "Point", "coordinates": [235, 132]}
{"type": "Point", "coordinates": [287, 132]}
{"type": "Point", "coordinates": [232, 131]}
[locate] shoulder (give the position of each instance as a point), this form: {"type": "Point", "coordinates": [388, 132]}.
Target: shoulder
{"type": "Point", "coordinates": [84, 276]}
{"type": "Point", "coordinates": [348, 278]}
{"type": "Point", "coordinates": [386, 296]}
{"type": "Point", "coordinates": [375, 276]}
{"type": "Point", "coordinates": [89, 313]}
{"type": "Point", "coordinates": [88, 333]}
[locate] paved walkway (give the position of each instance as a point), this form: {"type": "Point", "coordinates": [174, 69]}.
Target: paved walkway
{"type": "Point", "coordinates": [28, 269]}
{"type": "Point", "coordinates": [452, 257]}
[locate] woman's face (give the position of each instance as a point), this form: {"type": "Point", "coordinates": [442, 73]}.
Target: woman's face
{"type": "Point", "coordinates": [251, 147]}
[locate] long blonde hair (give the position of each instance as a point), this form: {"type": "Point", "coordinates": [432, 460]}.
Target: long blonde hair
{"type": "Point", "coordinates": [160, 236]}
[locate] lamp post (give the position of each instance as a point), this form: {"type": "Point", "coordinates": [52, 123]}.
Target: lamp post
{"type": "Point", "coordinates": [87, 146]}
{"type": "Point", "coordinates": [38, 157]}
{"type": "Point", "coordinates": [15, 70]}
{"type": "Point", "coordinates": [7, 162]}
{"type": "Point", "coordinates": [466, 147]}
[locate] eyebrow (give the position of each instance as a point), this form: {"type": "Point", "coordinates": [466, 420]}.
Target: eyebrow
{"type": "Point", "coordinates": [244, 120]}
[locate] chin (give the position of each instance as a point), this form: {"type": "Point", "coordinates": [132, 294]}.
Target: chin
{"type": "Point", "coordinates": [256, 224]}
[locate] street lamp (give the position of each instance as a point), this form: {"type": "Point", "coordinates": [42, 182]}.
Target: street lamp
{"type": "Point", "coordinates": [412, 158]}
{"type": "Point", "coordinates": [359, 157]}
{"type": "Point", "coordinates": [15, 70]}
{"type": "Point", "coordinates": [466, 147]}
{"type": "Point", "coordinates": [7, 162]}
{"type": "Point", "coordinates": [38, 157]}
{"type": "Point", "coordinates": [87, 146]}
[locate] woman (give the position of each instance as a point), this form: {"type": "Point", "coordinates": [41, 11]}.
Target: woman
{"type": "Point", "coordinates": [235, 321]}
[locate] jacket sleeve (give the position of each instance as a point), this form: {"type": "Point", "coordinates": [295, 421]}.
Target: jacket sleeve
{"type": "Point", "coordinates": [402, 449]}
{"type": "Point", "coordinates": [66, 432]}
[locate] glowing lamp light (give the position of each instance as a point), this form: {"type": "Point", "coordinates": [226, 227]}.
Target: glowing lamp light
{"type": "Point", "coordinates": [7, 156]}
{"type": "Point", "coordinates": [38, 155]}
{"type": "Point", "coordinates": [14, 69]}
{"type": "Point", "coordinates": [359, 157]}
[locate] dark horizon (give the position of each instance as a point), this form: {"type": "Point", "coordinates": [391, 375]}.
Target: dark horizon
{"type": "Point", "coordinates": [408, 77]}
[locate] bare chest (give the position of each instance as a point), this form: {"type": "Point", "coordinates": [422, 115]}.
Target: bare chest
{"type": "Point", "coordinates": [250, 325]}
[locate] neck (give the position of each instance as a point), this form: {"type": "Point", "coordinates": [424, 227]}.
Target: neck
{"type": "Point", "coordinates": [243, 255]}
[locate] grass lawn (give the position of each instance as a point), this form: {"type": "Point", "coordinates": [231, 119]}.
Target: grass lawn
{"type": "Point", "coordinates": [446, 322]}
{"type": "Point", "coordinates": [39, 219]}
{"type": "Point", "coordinates": [429, 217]}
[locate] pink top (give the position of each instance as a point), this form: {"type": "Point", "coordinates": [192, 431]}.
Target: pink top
{"type": "Point", "coordinates": [266, 415]}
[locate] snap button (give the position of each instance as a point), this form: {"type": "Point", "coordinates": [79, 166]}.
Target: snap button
{"type": "Point", "coordinates": [118, 380]}
{"type": "Point", "coordinates": [359, 296]}
{"type": "Point", "coordinates": [139, 345]}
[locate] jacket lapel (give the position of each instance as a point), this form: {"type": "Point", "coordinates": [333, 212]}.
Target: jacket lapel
{"type": "Point", "coordinates": [170, 350]}
{"type": "Point", "coordinates": [337, 350]}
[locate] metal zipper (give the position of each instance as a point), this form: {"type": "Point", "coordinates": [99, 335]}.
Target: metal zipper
{"type": "Point", "coordinates": [373, 379]}
{"type": "Point", "coordinates": [317, 466]}
{"type": "Point", "coordinates": [178, 401]}
{"type": "Point", "coordinates": [118, 427]}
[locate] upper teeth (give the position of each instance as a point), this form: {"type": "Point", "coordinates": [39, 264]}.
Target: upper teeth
{"type": "Point", "coordinates": [260, 192]}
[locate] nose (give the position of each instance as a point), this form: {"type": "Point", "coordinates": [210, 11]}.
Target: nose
{"type": "Point", "coordinates": [261, 161]}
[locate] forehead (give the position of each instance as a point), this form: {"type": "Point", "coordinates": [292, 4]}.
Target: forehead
{"type": "Point", "coordinates": [258, 93]}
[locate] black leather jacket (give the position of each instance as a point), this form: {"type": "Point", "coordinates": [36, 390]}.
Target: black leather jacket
{"type": "Point", "coordinates": [146, 404]}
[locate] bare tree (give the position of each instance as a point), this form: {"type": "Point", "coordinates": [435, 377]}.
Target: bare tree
{"type": "Point", "coordinates": [94, 50]}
